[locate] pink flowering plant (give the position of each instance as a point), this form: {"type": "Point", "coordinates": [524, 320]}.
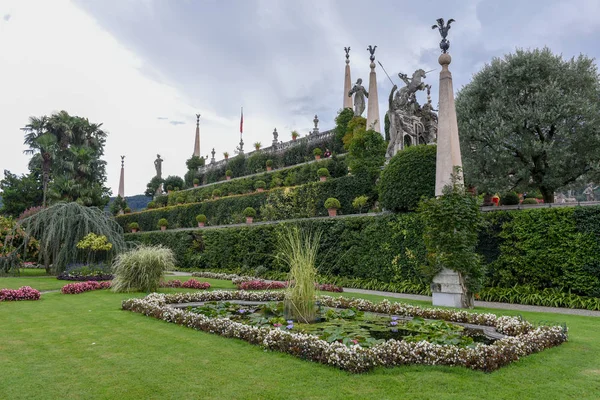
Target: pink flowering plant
{"type": "Point", "coordinates": [189, 284]}
{"type": "Point", "coordinates": [81, 287]}
{"type": "Point", "coordinates": [519, 337]}
{"type": "Point", "coordinates": [22, 293]}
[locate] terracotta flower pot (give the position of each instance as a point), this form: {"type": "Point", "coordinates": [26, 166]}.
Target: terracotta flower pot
{"type": "Point", "coordinates": [259, 190]}
{"type": "Point", "coordinates": [133, 230]}
{"type": "Point", "coordinates": [163, 228]}
{"type": "Point", "coordinates": [195, 185]}
{"type": "Point", "coordinates": [317, 157]}
{"type": "Point", "coordinates": [269, 169]}
{"type": "Point", "coordinates": [200, 224]}
{"type": "Point", "coordinates": [323, 178]}
{"type": "Point", "coordinates": [216, 197]}
{"type": "Point", "coordinates": [249, 220]}
{"type": "Point", "coordinates": [332, 212]}
{"type": "Point", "coordinates": [228, 178]}
{"type": "Point", "coordinates": [294, 139]}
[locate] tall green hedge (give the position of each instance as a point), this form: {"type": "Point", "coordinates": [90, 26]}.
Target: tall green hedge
{"type": "Point", "coordinates": [556, 248]}
{"type": "Point", "coordinates": [302, 201]}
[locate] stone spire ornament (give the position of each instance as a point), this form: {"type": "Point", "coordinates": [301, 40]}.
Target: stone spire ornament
{"type": "Point", "coordinates": [197, 142]}
{"type": "Point", "coordinates": [373, 105]}
{"type": "Point", "coordinates": [448, 146]}
{"type": "Point", "coordinates": [122, 178]}
{"type": "Point", "coordinates": [347, 80]}
{"type": "Point", "coordinates": [316, 128]}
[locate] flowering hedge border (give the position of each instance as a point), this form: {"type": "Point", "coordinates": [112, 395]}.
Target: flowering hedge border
{"type": "Point", "coordinates": [81, 287]}
{"type": "Point", "coordinates": [523, 339]}
{"type": "Point", "coordinates": [244, 282]}
{"type": "Point", "coordinates": [189, 284]}
{"type": "Point", "coordinates": [22, 293]}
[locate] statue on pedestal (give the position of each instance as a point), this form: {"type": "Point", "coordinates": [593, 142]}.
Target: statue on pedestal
{"type": "Point", "coordinates": [589, 192]}
{"type": "Point", "coordinates": [158, 166]}
{"type": "Point", "coordinates": [359, 93]}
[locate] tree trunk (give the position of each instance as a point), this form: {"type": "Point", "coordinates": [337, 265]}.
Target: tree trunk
{"type": "Point", "coordinates": [548, 194]}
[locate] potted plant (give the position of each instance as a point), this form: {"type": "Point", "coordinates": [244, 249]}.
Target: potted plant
{"type": "Point", "coordinates": [228, 174]}
{"type": "Point", "coordinates": [323, 174]}
{"type": "Point", "coordinates": [134, 226]}
{"type": "Point", "coordinates": [257, 146]}
{"type": "Point", "coordinates": [359, 202]}
{"type": "Point", "coordinates": [295, 135]}
{"type": "Point", "coordinates": [196, 182]}
{"type": "Point", "coordinates": [162, 224]}
{"type": "Point", "coordinates": [226, 155]}
{"type": "Point", "coordinates": [127, 210]}
{"type": "Point", "coordinates": [169, 189]}
{"type": "Point", "coordinates": [151, 205]}
{"type": "Point", "coordinates": [249, 213]}
{"type": "Point", "coordinates": [269, 165]}
{"type": "Point", "coordinates": [216, 194]}
{"type": "Point", "coordinates": [332, 205]}
{"type": "Point", "coordinates": [201, 219]}
{"type": "Point", "coordinates": [260, 186]}
{"type": "Point", "coordinates": [317, 152]}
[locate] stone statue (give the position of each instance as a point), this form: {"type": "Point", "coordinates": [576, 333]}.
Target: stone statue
{"type": "Point", "coordinates": [359, 93]}
{"type": "Point", "coordinates": [371, 50]}
{"type": "Point", "coordinates": [158, 166]}
{"type": "Point", "coordinates": [445, 43]}
{"type": "Point", "coordinates": [589, 192]}
{"type": "Point", "coordinates": [347, 50]}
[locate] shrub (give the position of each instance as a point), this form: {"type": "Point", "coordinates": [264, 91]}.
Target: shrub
{"type": "Point", "coordinates": [134, 225]}
{"type": "Point", "coordinates": [201, 218]}
{"type": "Point", "coordinates": [509, 199]}
{"type": "Point", "coordinates": [332, 202]}
{"type": "Point", "coordinates": [249, 212]}
{"type": "Point", "coordinates": [269, 163]}
{"type": "Point", "coordinates": [259, 284]}
{"type": "Point", "coordinates": [529, 201]}
{"type": "Point", "coordinates": [141, 269]}
{"type": "Point", "coordinates": [295, 134]}
{"type": "Point", "coordinates": [327, 287]}
{"type": "Point", "coordinates": [162, 222]}
{"type": "Point", "coordinates": [169, 187]}
{"type": "Point", "coordinates": [80, 287]}
{"type": "Point", "coordinates": [189, 284]}
{"type": "Point", "coordinates": [172, 182]}
{"type": "Point", "coordinates": [317, 152]}
{"type": "Point", "coordinates": [22, 293]}
{"type": "Point", "coordinates": [323, 172]}
{"type": "Point", "coordinates": [229, 173]}
{"type": "Point", "coordinates": [161, 201]}
{"type": "Point", "coordinates": [151, 205]}
{"type": "Point", "coordinates": [196, 181]}
{"type": "Point", "coordinates": [216, 193]}
{"type": "Point", "coordinates": [359, 202]}
{"type": "Point", "coordinates": [260, 184]}
{"type": "Point", "coordinates": [409, 176]}
{"type": "Point", "coordinates": [127, 210]}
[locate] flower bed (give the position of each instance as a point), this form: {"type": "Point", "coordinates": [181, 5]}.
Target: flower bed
{"type": "Point", "coordinates": [190, 284]}
{"type": "Point", "coordinates": [259, 284]}
{"type": "Point", "coordinates": [81, 287]}
{"type": "Point", "coordinates": [86, 273]}
{"type": "Point", "coordinates": [22, 293]}
{"type": "Point", "coordinates": [244, 282]}
{"type": "Point", "coordinates": [524, 339]}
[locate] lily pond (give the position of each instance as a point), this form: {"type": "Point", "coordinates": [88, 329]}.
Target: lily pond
{"type": "Point", "coordinates": [348, 326]}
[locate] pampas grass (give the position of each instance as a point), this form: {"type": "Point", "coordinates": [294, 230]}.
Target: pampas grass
{"type": "Point", "coordinates": [141, 269]}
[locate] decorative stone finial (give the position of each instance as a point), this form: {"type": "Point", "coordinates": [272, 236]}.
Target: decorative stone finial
{"type": "Point", "coordinates": [371, 50]}
{"type": "Point", "coordinates": [197, 119]}
{"type": "Point", "coordinates": [347, 50]}
{"type": "Point", "coordinates": [122, 161]}
{"type": "Point", "coordinates": [445, 43]}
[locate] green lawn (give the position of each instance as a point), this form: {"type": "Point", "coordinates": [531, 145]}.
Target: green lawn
{"type": "Point", "coordinates": [84, 346]}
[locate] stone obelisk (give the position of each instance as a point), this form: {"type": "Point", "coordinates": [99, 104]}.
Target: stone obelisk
{"type": "Point", "coordinates": [197, 142]}
{"type": "Point", "coordinates": [347, 81]}
{"type": "Point", "coordinates": [373, 106]}
{"type": "Point", "coordinates": [122, 178]}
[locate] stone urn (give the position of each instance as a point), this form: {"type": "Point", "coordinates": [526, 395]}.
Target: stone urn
{"type": "Point", "coordinates": [332, 212]}
{"type": "Point", "coordinates": [200, 224]}
{"type": "Point", "coordinates": [322, 178]}
{"type": "Point", "coordinates": [163, 228]}
{"type": "Point", "coordinates": [249, 220]}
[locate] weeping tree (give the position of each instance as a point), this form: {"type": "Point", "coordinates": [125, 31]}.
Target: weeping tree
{"type": "Point", "coordinates": [59, 228]}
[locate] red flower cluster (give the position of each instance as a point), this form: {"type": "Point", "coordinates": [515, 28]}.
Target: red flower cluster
{"type": "Point", "coordinates": [191, 284]}
{"type": "Point", "coordinates": [22, 293]}
{"type": "Point", "coordinates": [259, 284]}
{"type": "Point", "coordinates": [80, 287]}
{"type": "Point", "coordinates": [327, 287]}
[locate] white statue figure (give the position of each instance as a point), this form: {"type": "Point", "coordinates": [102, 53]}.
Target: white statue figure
{"type": "Point", "coordinates": [359, 93]}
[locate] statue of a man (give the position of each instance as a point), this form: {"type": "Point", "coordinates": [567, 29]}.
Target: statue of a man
{"type": "Point", "coordinates": [158, 166]}
{"type": "Point", "coordinates": [398, 108]}
{"type": "Point", "coordinates": [589, 192]}
{"type": "Point", "coordinates": [359, 93]}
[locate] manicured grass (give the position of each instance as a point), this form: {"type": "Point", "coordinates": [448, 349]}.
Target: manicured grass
{"type": "Point", "coordinates": [84, 346]}
{"type": "Point", "coordinates": [32, 272]}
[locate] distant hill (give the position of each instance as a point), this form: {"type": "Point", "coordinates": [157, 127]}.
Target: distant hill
{"type": "Point", "coordinates": [136, 203]}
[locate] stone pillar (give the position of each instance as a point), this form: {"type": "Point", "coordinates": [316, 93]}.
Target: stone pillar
{"type": "Point", "coordinates": [373, 106]}
{"type": "Point", "coordinates": [122, 178]}
{"type": "Point", "coordinates": [449, 289]}
{"type": "Point", "coordinates": [448, 146]}
{"type": "Point", "coordinates": [347, 81]}
{"type": "Point", "coordinates": [197, 142]}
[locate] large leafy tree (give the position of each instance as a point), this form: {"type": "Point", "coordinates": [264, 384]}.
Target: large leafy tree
{"type": "Point", "coordinates": [530, 121]}
{"type": "Point", "coordinates": [19, 193]}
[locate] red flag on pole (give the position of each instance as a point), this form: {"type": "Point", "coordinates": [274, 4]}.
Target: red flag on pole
{"type": "Point", "coordinates": [242, 121]}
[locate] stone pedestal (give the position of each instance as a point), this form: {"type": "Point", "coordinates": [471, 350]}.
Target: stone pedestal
{"type": "Point", "coordinates": [122, 183]}
{"type": "Point", "coordinates": [448, 146]}
{"type": "Point", "coordinates": [347, 86]}
{"type": "Point", "coordinates": [449, 290]}
{"type": "Point", "coordinates": [197, 141]}
{"type": "Point", "coordinates": [373, 105]}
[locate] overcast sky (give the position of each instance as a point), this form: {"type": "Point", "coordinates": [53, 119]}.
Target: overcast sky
{"type": "Point", "coordinates": [145, 67]}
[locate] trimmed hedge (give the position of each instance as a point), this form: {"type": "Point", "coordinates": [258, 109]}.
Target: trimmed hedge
{"type": "Point", "coordinates": [282, 203]}
{"type": "Point", "coordinates": [548, 248]}
{"type": "Point", "coordinates": [290, 177]}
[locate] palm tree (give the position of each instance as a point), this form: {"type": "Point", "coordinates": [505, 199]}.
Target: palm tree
{"type": "Point", "coordinates": [41, 141]}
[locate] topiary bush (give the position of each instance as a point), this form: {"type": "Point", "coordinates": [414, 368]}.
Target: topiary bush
{"type": "Point", "coordinates": [509, 199]}
{"type": "Point", "coordinates": [332, 202]}
{"type": "Point", "coordinates": [529, 201]}
{"type": "Point", "coordinates": [409, 176]}
{"type": "Point", "coordinates": [249, 212]}
{"type": "Point", "coordinates": [229, 173]}
{"type": "Point", "coordinates": [201, 218]}
{"type": "Point", "coordinates": [260, 185]}
{"type": "Point", "coordinates": [162, 222]}
{"type": "Point", "coordinates": [323, 172]}
{"type": "Point", "coordinates": [134, 225]}
{"type": "Point", "coordinates": [142, 269]}
{"type": "Point", "coordinates": [216, 193]}
{"type": "Point", "coordinates": [317, 152]}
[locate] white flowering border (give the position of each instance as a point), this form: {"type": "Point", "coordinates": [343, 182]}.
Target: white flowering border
{"type": "Point", "coordinates": [523, 339]}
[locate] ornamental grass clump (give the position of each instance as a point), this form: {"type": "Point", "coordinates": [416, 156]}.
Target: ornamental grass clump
{"type": "Point", "coordinates": [298, 249]}
{"type": "Point", "coordinates": [141, 270]}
